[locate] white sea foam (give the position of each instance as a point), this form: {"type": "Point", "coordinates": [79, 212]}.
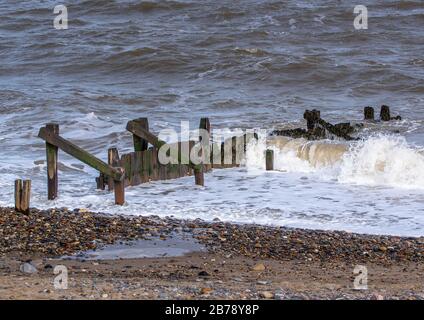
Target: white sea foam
{"type": "Point", "coordinates": [384, 160]}
{"type": "Point", "coordinates": [381, 160]}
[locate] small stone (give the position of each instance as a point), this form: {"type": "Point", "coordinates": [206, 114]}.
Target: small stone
{"type": "Point", "coordinates": [28, 268]}
{"type": "Point", "coordinates": [206, 290]}
{"type": "Point", "coordinates": [279, 295]}
{"type": "Point", "coordinates": [105, 295]}
{"type": "Point", "coordinates": [376, 296]}
{"type": "Point", "coordinates": [203, 274]}
{"type": "Point", "coordinates": [259, 267]}
{"type": "Point", "coordinates": [266, 295]}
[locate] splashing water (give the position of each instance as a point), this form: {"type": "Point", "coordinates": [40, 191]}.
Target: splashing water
{"type": "Point", "coordinates": [381, 160]}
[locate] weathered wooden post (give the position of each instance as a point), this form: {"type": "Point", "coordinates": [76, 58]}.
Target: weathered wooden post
{"type": "Point", "coordinates": [206, 125]}
{"type": "Point", "coordinates": [385, 113]}
{"type": "Point", "coordinates": [269, 160]}
{"type": "Point", "coordinates": [113, 161]}
{"type": "Point", "coordinates": [26, 196]}
{"type": "Point", "coordinates": [119, 187]}
{"type": "Point", "coordinates": [199, 177]}
{"type": "Point", "coordinates": [369, 114]}
{"type": "Point", "coordinates": [18, 194]}
{"type": "Point", "coordinates": [141, 144]}
{"type": "Point", "coordinates": [51, 151]}
{"type": "Point", "coordinates": [22, 195]}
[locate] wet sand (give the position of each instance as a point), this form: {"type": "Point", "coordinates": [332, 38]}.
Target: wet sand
{"type": "Point", "coordinates": [229, 261]}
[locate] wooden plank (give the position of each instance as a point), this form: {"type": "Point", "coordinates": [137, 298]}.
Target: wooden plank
{"type": "Point", "coordinates": [79, 153]}
{"type": "Point", "coordinates": [162, 171]}
{"type": "Point", "coordinates": [175, 169]}
{"type": "Point", "coordinates": [168, 171]}
{"type": "Point", "coordinates": [269, 160]}
{"type": "Point", "coordinates": [148, 163]}
{"type": "Point", "coordinates": [182, 170]}
{"type": "Point", "coordinates": [25, 196]}
{"type": "Point", "coordinates": [135, 177]}
{"type": "Point", "coordinates": [135, 129]}
{"type": "Point", "coordinates": [126, 165]}
{"type": "Point", "coordinates": [141, 144]}
{"type": "Point", "coordinates": [136, 167]}
{"type": "Point", "coordinates": [51, 154]}
{"type": "Point", "coordinates": [216, 155]}
{"type": "Point", "coordinates": [18, 194]}
{"type": "Point", "coordinates": [145, 167]}
{"type": "Point", "coordinates": [155, 164]}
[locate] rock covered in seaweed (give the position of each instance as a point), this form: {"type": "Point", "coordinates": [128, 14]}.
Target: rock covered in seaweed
{"type": "Point", "coordinates": [317, 128]}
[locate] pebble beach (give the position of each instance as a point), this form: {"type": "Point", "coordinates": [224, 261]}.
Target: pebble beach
{"type": "Point", "coordinates": [239, 261]}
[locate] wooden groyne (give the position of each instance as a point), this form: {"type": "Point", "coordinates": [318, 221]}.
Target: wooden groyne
{"type": "Point", "coordinates": [143, 164]}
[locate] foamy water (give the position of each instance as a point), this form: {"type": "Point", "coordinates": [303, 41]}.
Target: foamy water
{"type": "Point", "coordinates": [370, 186]}
{"type": "Point", "coordinates": [244, 64]}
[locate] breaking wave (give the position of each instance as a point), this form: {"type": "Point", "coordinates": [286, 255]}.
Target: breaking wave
{"type": "Point", "coordinates": [380, 160]}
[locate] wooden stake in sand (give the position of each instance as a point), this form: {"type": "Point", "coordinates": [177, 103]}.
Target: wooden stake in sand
{"type": "Point", "coordinates": [51, 151]}
{"type": "Point", "coordinates": [22, 195]}
{"type": "Point", "coordinates": [269, 160]}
